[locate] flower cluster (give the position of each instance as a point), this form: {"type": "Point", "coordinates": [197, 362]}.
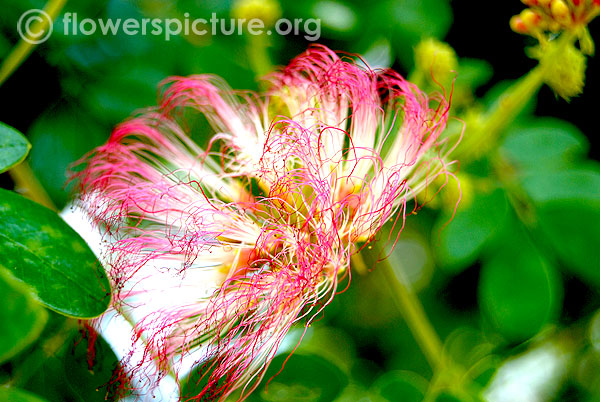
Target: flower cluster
{"type": "Point", "coordinates": [215, 253]}
{"type": "Point", "coordinates": [553, 16]}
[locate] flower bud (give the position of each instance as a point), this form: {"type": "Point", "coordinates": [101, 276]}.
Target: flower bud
{"type": "Point", "coordinates": [560, 11]}
{"type": "Point", "coordinates": [517, 24]}
{"type": "Point", "coordinates": [530, 18]}
{"type": "Point", "coordinates": [269, 11]}
{"type": "Point", "coordinates": [435, 58]}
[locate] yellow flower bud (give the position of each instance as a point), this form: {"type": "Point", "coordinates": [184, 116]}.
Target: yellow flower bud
{"type": "Point", "coordinates": [530, 18]}
{"type": "Point", "coordinates": [564, 71]}
{"type": "Point", "coordinates": [452, 192]}
{"type": "Point", "coordinates": [560, 11]}
{"type": "Point", "coordinates": [436, 59]}
{"type": "Point", "coordinates": [517, 24]}
{"type": "Point", "coordinates": [269, 11]}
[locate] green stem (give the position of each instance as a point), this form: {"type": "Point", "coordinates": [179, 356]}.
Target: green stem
{"type": "Point", "coordinates": [25, 181]}
{"type": "Point", "coordinates": [415, 317]}
{"type": "Point", "coordinates": [23, 48]}
{"type": "Point", "coordinates": [484, 135]}
{"type": "Point", "coordinates": [22, 174]}
{"type": "Point", "coordinates": [258, 56]}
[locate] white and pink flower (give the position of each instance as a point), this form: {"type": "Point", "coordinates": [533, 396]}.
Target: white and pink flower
{"type": "Point", "coordinates": [215, 253]}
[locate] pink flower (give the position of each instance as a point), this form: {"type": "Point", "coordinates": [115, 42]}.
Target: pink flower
{"type": "Point", "coordinates": [216, 253]}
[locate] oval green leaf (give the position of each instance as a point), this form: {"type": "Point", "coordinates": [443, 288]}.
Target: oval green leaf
{"type": "Point", "coordinates": [464, 237]}
{"type": "Point", "coordinates": [44, 252]}
{"type": "Point", "coordinates": [577, 184]}
{"type": "Point", "coordinates": [81, 370]}
{"type": "Point", "coordinates": [304, 377]}
{"type": "Point", "coordinates": [519, 291]}
{"type": "Point", "coordinates": [544, 144]}
{"type": "Point", "coordinates": [21, 318]}
{"type": "Point", "coordinates": [401, 386]}
{"type": "Point", "coordinates": [568, 214]}
{"type": "Point", "coordinates": [573, 230]}
{"type": "Point", "coordinates": [18, 395]}
{"type": "Point", "coordinates": [14, 147]}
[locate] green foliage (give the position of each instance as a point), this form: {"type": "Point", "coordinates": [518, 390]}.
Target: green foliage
{"type": "Point", "coordinates": [490, 277]}
{"type": "Point", "coordinates": [568, 213]}
{"type": "Point", "coordinates": [304, 377]}
{"type": "Point", "coordinates": [473, 73]}
{"type": "Point", "coordinates": [21, 317]}
{"type": "Point", "coordinates": [39, 248]}
{"type": "Point", "coordinates": [543, 144]}
{"type": "Point", "coordinates": [573, 230]}
{"type": "Point", "coordinates": [17, 395]}
{"type": "Point", "coordinates": [13, 147]}
{"type": "Point", "coordinates": [519, 290]}
{"type": "Point", "coordinates": [401, 386]}
{"type": "Point", "coordinates": [68, 375]}
{"type": "Point", "coordinates": [59, 139]}
{"type": "Point", "coordinates": [411, 20]}
{"type": "Point", "coordinates": [464, 237]}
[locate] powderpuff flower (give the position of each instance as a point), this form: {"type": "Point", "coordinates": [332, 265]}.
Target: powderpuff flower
{"type": "Point", "coordinates": [215, 253]}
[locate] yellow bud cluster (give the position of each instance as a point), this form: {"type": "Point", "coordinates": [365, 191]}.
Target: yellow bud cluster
{"type": "Point", "coordinates": [553, 16]}
{"type": "Point", "coordinates": [436, 59]}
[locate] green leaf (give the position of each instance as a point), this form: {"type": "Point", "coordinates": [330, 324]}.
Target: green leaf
{"type": "Point", "coordinates": [17, 395]}
{"type": "Point", "coordinates": [543, 143]}
{"type": "Point", "coordinates": [401, 386]}
{"type": "Point", "coordinates": [465, 236]}
{"type": "Point", "coordinates": [409, 21]}
{"type": "Point", "coordinates": [44, 252]}
{"type": "Point", "coordinates": [58, 141]}
{"type": "Point", "coordinates": [573, 184]}
{"type": "Point", "coordinates": [573, 230]}
{"type": "Point", "coordinates": [120, 94]}
{"type": "Point", "coordinates": [473, 73]}
{"type": "Point", "coordinates": [80, 367]}
{"type": "Point", "coordinates": [22, 319]}
{"type": "Point", "coordinates": [13, 147]}
{"type": "Point", "coordinates": [458, 396]}
{"type": "Point", "coordinates": [304, 377]}
{"type": "Point", "coordinates": [338, 17]}
{"type": "Point", "coordinates": [568, 211]}
{"type": "Point", "coordinates": [519, 291]}
{"type": "Point", "coordinates": [91, 383]}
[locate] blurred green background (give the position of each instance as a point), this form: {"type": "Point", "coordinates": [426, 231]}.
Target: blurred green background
{"type": "Point", "coordinates": [510, 283]}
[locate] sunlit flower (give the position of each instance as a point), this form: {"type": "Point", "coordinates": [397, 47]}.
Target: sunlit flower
{"type": "Point", "coordinates": [215, 253]}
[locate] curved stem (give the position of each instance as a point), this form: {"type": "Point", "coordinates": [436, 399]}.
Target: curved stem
{"type": "Point", "coordinates": [23, 48]}
{"type": "Point", "coordinates": [258, 56]}
{"type": "Point", "coordinates": [415, 316]}
{"type": "Point", "coordinates": [413, 312]}
{"type": "Point", "coordinates": [22, 174]}
{"type": "Point", "coordinates": [26, 181]}
{"type": "Point", "coordinates": [486, 132]}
